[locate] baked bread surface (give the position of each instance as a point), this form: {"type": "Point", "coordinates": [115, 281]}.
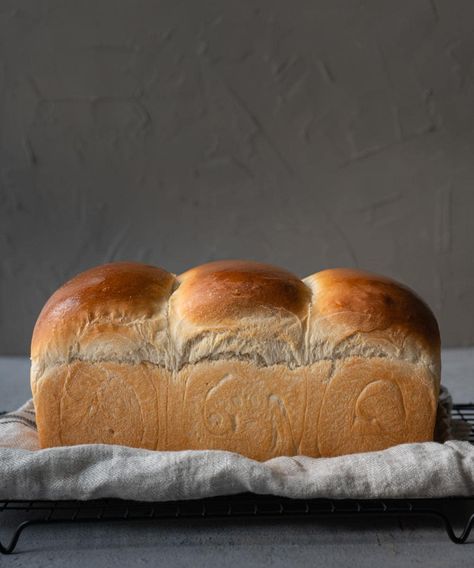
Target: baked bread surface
{"type": "Point", "coordinates": [235, 355]}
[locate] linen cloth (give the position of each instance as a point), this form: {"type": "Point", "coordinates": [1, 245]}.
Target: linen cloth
{"type": "Point", "coordinates": [92, 471]}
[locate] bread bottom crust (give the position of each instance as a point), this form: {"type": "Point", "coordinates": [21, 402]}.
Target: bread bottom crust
{"type": "Point", "coordinates": [325, 409]}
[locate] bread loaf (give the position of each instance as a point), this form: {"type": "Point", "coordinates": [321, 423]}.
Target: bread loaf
{"type": "Point", "coordinates": [236, 356]}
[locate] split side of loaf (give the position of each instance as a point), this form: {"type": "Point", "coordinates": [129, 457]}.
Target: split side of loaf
{"type": "Point", "coordinates": [238, 356]}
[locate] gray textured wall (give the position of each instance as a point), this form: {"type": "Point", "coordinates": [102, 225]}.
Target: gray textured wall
{"type": "Point", "coordinates": [310, 133]}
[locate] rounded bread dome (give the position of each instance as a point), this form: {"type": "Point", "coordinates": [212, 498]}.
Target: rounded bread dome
{"type": "Point", "coordinates": [104, 309]}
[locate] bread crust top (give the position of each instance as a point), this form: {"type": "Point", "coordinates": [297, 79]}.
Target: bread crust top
{"type": "Point", "coordinates": [108, 303]}
{"type": "Point", "coordinates": [233, 308]}
{"type": "Point", "coordinates": [226, 290]}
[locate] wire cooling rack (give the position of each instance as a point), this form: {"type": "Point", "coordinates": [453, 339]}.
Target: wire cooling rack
{"type": "Point", "coordinates": [245, 506]}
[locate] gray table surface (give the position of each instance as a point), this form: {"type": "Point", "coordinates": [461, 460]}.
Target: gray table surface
{"type": "Point", "coordinates": [386, 542]}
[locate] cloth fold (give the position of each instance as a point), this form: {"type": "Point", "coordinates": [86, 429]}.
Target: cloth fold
{"type": "Point", "coordinates": [92, 471]}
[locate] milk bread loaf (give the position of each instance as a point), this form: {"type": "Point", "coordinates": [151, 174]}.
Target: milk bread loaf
{"type": "Point", "coordinates": [238, 356]}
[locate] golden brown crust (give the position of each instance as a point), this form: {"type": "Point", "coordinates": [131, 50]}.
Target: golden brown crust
{"type": "Point", "coordinates": [239, 309]}
{"type": "Point", "coordinates": [357, 312]}
{"type": "Point", "coordinates": [380, 301]}
{"type": "Point", "coordinates": [98, 306]}
{"type": "Point", "coordinates": [233, 289]}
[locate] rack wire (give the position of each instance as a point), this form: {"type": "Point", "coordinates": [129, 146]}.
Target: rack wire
{"type": "Point", "coordinates": [244, 506]}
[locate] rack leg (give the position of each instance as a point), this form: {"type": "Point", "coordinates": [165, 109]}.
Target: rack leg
{"type": "Point", "coordinates": [10, 547]}
{"type": "Point", "coordinates": [461, 539]}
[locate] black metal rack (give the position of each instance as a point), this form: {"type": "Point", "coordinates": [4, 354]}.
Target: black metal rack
{"type": "Point", "coordinates": [244, 506]}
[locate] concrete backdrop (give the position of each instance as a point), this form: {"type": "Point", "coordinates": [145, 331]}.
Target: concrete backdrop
{"type": "Point", "coordinates": [309, 134]}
